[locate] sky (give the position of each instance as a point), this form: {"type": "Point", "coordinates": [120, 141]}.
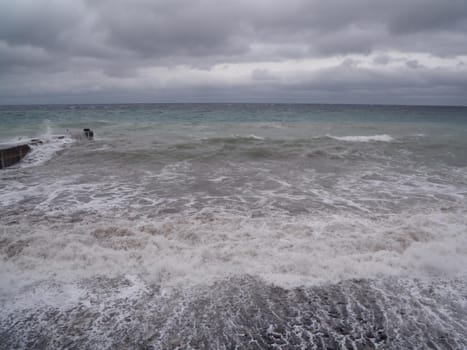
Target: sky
{"type": "Point", "coordinates": [294, 51]}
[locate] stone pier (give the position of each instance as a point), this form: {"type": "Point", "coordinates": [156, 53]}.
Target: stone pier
{"type": "Point", "coordinates": [12, 154]}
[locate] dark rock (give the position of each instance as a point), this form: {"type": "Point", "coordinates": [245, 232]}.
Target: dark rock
{"type": "Point", "coordinates": [383, 337]}
{"type": "Point", "coordinates": [12, 154]}
{"type": "Point", "coordinates": [35, 142]}
{"type": "Point", "coordinates": [88, 133]}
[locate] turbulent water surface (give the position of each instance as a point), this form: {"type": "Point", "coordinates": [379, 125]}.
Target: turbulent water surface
{"type": "Point", "coordinates": [235, 227]}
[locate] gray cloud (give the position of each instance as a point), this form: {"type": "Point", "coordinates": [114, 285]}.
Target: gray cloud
{"type": "Point", "coordinates": [413, 64]}
{"type": "Point", "coordinates": [101, 47]}
{"type": "Point", "coordinates": [263, 75]}
{"type": "Point", "coordinates": [382, 59]}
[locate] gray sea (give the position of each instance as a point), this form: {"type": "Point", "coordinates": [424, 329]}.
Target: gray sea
{"type": "Point", "coordinates": [234, 226]}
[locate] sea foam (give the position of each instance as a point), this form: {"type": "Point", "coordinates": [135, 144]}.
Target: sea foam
{"type": "Point", "coordinates": [381, 138]}
{"type": "Point", "coordinates": [41, 153]}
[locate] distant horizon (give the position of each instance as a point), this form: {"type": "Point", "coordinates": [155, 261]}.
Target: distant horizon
{"type": "Point", "coordinates": [232, 103]}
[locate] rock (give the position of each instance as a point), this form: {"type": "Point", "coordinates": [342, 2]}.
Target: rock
{"type": "Point", "coordinates": [36, 142]}
{"type": "Point", "coordinates": [88, 133]}
{"type": "Point", "coordinates": [11, 155]}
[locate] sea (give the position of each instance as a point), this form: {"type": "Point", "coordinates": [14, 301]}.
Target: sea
{"type": "Point", "coordinates": [234, 226]}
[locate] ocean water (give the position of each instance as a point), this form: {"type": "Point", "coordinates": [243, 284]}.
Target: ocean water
{"type": "Point", "coordinates": [235, 226]}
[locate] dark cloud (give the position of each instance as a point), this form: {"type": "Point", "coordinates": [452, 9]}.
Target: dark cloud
{"type": "Point", "coordinates": [428, 15]}
{"type": "Point", "coordinates": [263, 75]}
{"type": "Point", "coordinates": [103, 47]}
{"type": "Point", "coordinates": [413, 64]}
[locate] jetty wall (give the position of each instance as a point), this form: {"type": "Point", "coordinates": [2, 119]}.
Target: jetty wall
{"type": "Point", "coordinates": [10, 155]}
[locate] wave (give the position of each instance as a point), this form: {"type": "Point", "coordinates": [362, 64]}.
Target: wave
{"type": "Point", "coordinates": [250, 137]}
{"type": "Point", "coordinates": [380, 138]}
{"type": "Point", "coordinates": [45, 150]}
{"type": "Point", "coordinates": [208, 246]}
{"type": "Point", "coordinates": [42, 149]}
{"type": "Point", "coordinates": [234, 138]}
{"type": "Point", "coordinates": [44, 144]}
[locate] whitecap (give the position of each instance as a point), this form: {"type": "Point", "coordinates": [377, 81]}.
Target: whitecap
{"type": "Point", "coordinates": [380, 138]}
{"type": "Point", "coordinates": [251, 137]}
{"type": "Point", "coordinates": [46, 150]}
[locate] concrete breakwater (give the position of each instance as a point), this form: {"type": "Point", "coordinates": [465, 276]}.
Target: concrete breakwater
{"type": "Point", "coordinates": [12, 154]}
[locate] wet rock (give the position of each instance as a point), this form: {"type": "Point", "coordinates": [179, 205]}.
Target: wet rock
{"type": "Point", "coordinates": [36, 142]}
{"type": "Point", "coordinates": [88, 133]}
{"type": "Point", "coordinates": [10, 155]}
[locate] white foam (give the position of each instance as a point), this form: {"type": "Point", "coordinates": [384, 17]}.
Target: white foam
{"type": "Point", "coordinates": [41, 153]}
{"type": "Point", "coordinates": [207, 246]}
{"type": "Point", "coordinates": [251, 137]}
{"type": "Point", "coordinates": [237, 136]}
{"type": "Point", "coordinates": [380, 138]}
{"type": "Point", "coordinates": [272, 125]}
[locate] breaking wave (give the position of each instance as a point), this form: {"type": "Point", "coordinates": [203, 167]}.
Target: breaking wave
{"type": "Point", "coordinates": [46, 150]}
{"type": "Point", "coordinates": [380, 138]}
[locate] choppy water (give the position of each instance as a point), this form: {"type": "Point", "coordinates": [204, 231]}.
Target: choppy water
{"type": "Point", "coordinates": [235, 226]}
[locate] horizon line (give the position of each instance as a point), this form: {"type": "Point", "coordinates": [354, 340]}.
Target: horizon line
{"type": "Point", "coordinates": [233, 103]}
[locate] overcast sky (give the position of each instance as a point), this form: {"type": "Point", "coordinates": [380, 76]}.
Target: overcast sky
{"type": "Point", "coordinates": [313, 51]}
